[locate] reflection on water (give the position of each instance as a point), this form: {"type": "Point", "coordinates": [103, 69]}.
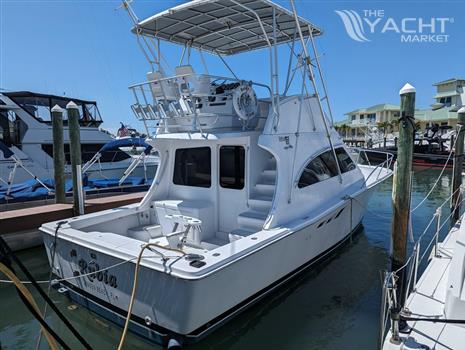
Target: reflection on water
{"type": "Point", "coordinates": [335, 305]}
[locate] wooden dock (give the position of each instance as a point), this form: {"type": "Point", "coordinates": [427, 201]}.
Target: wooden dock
{"type": "Point", "coordinates": [19, 227]}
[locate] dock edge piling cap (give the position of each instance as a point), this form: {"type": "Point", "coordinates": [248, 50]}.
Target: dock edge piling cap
{"type": "Point", "coordinates": [71, 105]}
{"type": "Point", "coordinates": [407, 89]}
{"type": "Point", "coordinates": [461, 110]}
{"type": "Point", "coordinates": [57, 108]}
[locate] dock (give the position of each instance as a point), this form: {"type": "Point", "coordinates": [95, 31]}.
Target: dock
{"type": "Point", "coordinates": [19, 227]}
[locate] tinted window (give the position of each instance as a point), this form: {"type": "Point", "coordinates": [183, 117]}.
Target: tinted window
{"type": "Point", "coordinates": [330, 162]}
{"type": "Point", "coordinates": [345, 162]}
{"type": "Point", "coordinates": [314, 172]}
{"type": "Point", "coordinates": [321, 168]}
{"type": "Point", "coordinates": [232, 167]}
{"type": "Point", "coordinates": [192, 167]}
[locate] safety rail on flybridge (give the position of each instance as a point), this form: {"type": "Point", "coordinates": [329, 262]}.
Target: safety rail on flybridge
{"type": "Point", "coordinates": [197, 101]}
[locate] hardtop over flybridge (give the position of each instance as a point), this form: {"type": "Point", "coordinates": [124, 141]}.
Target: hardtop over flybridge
{"type": "Point", "coordinates": [254, 184]}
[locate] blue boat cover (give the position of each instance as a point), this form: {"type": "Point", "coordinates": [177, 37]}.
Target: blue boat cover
{"type": "Point", "coordinates": [114, 182]}
{"type": "Point", "coordinates": [126, 142]}
{"type": "Point", "coordinates": [32, 189]}
{"type": "Point", "coordinates": [7, 153]}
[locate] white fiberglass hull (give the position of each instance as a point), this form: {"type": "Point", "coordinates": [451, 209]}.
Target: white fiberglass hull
{"type": "Point", "coordinates": [189, 307]}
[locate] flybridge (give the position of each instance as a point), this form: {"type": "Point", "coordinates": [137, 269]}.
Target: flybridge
{"type": "Point", "coordinates": [189, 101]}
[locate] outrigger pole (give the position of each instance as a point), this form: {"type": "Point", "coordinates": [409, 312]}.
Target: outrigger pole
{"type": "Point", "coordinates": [311, 73]}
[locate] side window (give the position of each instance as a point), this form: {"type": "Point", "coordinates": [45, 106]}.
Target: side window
{"type": "Point", "coordinates": [328, 159]}
{"type": "Point", "coordinates": [314, 172]}
{"type": "Point", "coordinates": [345, 162]}
{"type": "Point", "coordinates": [192, 167]}
{"type": "Point", "coordinates": [232, 167]}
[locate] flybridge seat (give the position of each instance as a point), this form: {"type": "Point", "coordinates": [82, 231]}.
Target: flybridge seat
{"type": "Point", "coordinates": [162, 88]}
{"type": "Point", "coordinates": [169, 212]}
{"type": "Point", "coordinates": [190, 101]}
{"type": "Point", "coordinates": [196, 84]}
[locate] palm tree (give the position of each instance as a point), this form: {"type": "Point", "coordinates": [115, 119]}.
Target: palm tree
{"type": "Point", "coordinates": [395, 124]}
{"type": "Point", "coordinates": [344, 129]}
{"type": "Point", "coordinates": [384, 126]}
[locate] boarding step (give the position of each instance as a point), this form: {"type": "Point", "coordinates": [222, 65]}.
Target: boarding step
{"type": "Point", "coordinates": [252, 219]}
{"type": "Point", "coordinates": [266, 189]}
{"type": "Point", "coordinates": [260, 202]}
{"type": "Point", "coordinates": [269, 173]}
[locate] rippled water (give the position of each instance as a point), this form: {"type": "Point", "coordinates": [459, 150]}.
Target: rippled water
{"type": "Point", "coordinates": [335, 305]}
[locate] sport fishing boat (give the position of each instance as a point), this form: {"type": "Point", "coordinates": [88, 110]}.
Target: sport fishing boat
{"type": "Point", "coordinates": [254, 183]}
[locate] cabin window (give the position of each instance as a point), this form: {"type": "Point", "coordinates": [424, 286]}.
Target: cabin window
{"type": "Point", "coordinates": [314, 172]}
{"type": "Point", "coordinates": [319, 169]}
{"type": "Point", "coordinates": [232, 167]}
{"type": "Point", "coordinates": [345, 162]}
{"type": "Point", "coordinates": [192, 167]}
{"type": "Point", "coordinates": [330, 162]}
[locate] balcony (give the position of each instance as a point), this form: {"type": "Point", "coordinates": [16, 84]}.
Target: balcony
{"type": "Point", "coordinates": [363, 122]}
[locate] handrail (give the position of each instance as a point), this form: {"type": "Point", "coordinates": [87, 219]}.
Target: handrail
{"type": "Point", "coordinates": [386, 164]}
{"type": "Point", "coordinates": [216, 77]}
{"type": "Point", "coordinates": [414, 260]}
{"type": "Point", "coordinates": [169, 98]}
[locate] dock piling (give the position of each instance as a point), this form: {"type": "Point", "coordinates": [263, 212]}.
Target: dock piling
{"type": "Point", "coordinates": [76, 160]}
{"type": "Point", "coordinates": [458, 167]}
{"type": "Point", "coordinates": [58, 154]}
{"type": "Point", "coordinates": [402, 185]}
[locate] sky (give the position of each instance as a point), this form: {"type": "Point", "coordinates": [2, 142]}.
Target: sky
{"type": "Point", "coordinates": [85, 49]}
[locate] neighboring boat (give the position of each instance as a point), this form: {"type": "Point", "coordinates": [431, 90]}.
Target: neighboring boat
{"type": "Point", "coordinates": [142, 162]}
{"type": "Point", "coordinates": [431, 149]}
{"type": "Point", "coordinates": [434, 311]}
{"type": "Point", "coordinates": [26, 130]}
{"type": "Point", "coordinates": [249, 192]}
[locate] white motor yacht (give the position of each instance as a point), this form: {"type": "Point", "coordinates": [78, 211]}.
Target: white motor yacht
{"type": "Point", "coordinates": [254, 183]}
{"type": "Point", "coordinates": [26, 133]}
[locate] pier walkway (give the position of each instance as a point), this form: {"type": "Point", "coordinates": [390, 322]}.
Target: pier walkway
{"type": "Point", "coordinates": [19, 227]}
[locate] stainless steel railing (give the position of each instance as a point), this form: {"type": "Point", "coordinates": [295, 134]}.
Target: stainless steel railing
{"type": "Point", "coordinates": [179, 97]}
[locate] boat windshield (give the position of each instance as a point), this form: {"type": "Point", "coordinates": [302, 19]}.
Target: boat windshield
{"type": "Point", "coordinates": [39, 106]}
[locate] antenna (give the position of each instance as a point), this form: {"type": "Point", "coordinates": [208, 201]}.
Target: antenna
{"type": "Point", "coordinates": [151, 56]}
{"type": "Point", "coordinates": [126, 4]}
{"type": "Point", "coordinates": [312, 77]}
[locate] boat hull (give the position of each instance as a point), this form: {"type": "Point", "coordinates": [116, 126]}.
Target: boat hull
{"type": "Point", "coordinates": [166, 306]}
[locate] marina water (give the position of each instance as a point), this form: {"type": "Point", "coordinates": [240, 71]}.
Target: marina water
{"type": "Point", "coordinates": [335, 305]}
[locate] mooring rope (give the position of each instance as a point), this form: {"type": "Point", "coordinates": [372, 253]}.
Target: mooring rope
{"type": "Point", "coordinates": [58, 225]}
{"type": "Point", "coordinates": [48, 332]}
{"type": "Point", "coordinates": [93, 272]}
{"type": "Point", "coordinates": [134, 286]}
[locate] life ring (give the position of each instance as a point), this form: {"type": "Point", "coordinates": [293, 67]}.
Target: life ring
{"type": "Point", "coordinates": [245, 101]}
